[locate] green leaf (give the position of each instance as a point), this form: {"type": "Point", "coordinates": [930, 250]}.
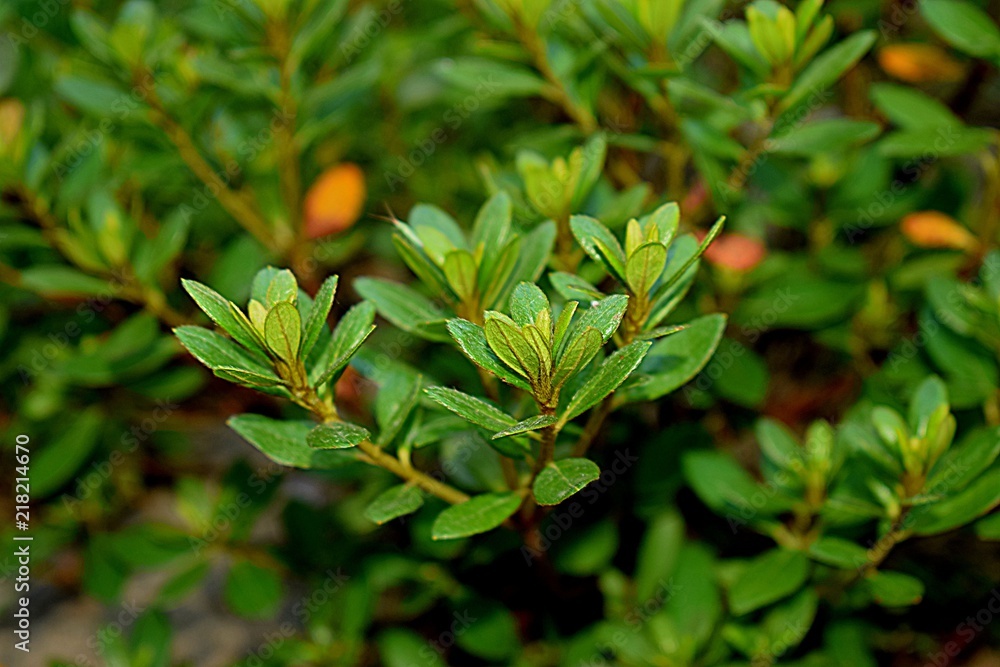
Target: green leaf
{"type": "Point", "coordinates": [787, 624]}
{"type": "Point", "coordinates": [658, 553]}
{"type": "Point", "coordinates": [964, 26]}
{"type": "Point", "coordinates": [645, 266]}
{"type": "Point", "coordinates": [470, 408]}
{"type": "Point", "coordinates": [317, 314]}
{"type": "Point", "coordinates": [768, 578]}
{"type": "Point", "coordinates": [460, 270]}
{"type": "Point", "coordinates": [492, 224]}
{"type": "Point", "coordinates": [839, 552]}
{"type": "Point", "coordinates": [472, 339]}
{"type": "Point", "coordinates": [494, 281]}
{"type": "Point", "coordinates": [777, 443]}
{"type": "Point", "coordinates": [284, 442]}
{"type": "Point", "coordinates": [526, 302]}
{"type": "Point", "coordinates": [352, 330]}
{"type": "Point", "coordinates": [63, 281]}
{"type": "Point", "coordinates": [611, 373]}
{"type": "Point", "coordinates": [248, 378]}
{"type": "Point", "coordinates": [404, 307]}
{"type": "Point", "coordinates": [598, 242]}
{"type": "Point", "coordinates": [428, 215]}
{"type": "Point", "coordinates": [965, 461]}
{"type": "Point", "coordinates": [895, 589]}
{"type": "Point", "coordinates": [393, 503]}
{"type": "Point", "coordinates": [283, 331]}
{"type": "Point", "coordinates": [526, 425]}
{"type": "Point", "coordinates": [988, 528]}
{"type": "Point", "coordinates": [674, 360]}
{"type": "Point", "coordinates": [964, 507]}
{"type": "Point", "coordinates": [826, 68]}
{"type": "Point", "coordinates": [723, 485]}
{"type": "Point", "coordinates": [824, 136]}
{"type": "Point", "coordinates": [511, 346]}
{"type": "Point", "coordinates": [930, 396]}
{"type": "Point", "coordinates": [221, 311]}
{"type": "Point", "coordinates": [577, 354]}
{"type": "Point", "coordinates": [58, 461]}
{"type": "Point", "coordinates": [605, 315]}
{"type": "Point", "coordinates": [337, 435]}
{"type": "Point", "coordinates": [281, 288]}
{"type": "Point", "coordinates": [479, 514]}
{"type": "Point", "coordinates": [398, 395]}
{"type": "Point", "coordinates": [911, 109]}
{"type": "Point", "coordinates": [574, 288]}
{"type": "Point", "coordinates": [216, 351]}
{"type": "Point", "coordinates": [561, 479]}
{"type": "Point", "coordinates": [253, 591]}
{"type": "Point", "coordinates": [536, 249]}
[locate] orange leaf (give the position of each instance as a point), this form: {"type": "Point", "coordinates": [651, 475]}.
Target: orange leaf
{"type": "Point", "coordinates": [335, 200]}
{"type": "Point", "coordinates": [735, 251]}
{"type": "Point", "coordinates": [933, 229]}
{"type": "Point", "coordinates": [919, 63]}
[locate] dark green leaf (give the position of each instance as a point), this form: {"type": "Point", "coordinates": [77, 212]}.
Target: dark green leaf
{"type": "Point", "coordinates": [393, 503]}
{"type": "Point", "coordinates": [479, 514]}
{"type": "Point", "coordinates": [337, 435]}
{"type": "Point", "coordinates": [561, 479]}
{"type": "Point", "coordinates": [768, 578]}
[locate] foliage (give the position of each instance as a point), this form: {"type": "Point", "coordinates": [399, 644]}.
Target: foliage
{"type": "Point", "coordinates": [683, 348]}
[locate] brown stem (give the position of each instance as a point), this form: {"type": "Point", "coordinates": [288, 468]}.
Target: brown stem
{"type": "Point", "coordinates": [557, 91]}
{"type": "Point", "coordinates": [327, 413]}
{"type": "Point", "coordinates": [236, 203]}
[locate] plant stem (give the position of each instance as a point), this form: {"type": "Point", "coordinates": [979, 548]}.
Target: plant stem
{"type": "Point", "coordinates": [327, 413]}
{"type": "Point", "coordinates": [236, 203]}
{"type": "Point", "coordinates": [557, 91]}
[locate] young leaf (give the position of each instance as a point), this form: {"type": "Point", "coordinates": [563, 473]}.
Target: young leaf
{"type": "Point", "coordinates": [768, 578]}
{"type": "Point", "coordinates": [666, 218]}
{"type": "Point", "coordinates": [605, 379]}
{"type": "Point", "coordinates": [477, 515]}
{"type": "Point", "coordinates": [526, 425]}
{"type": "Point", "coordinates": [393, 503]}
{"type": "Point", "coordinates": [337, 435]}
{"type": "Point", "coordinates": [219, 309]}
{"type": "Point", "coordinates": [510, 345]}
{"type": "Point", "coordinates": [526, 302]}
{"type": "Point", "coordinates": [645, 266]}
{"type": "Point", "coordinates": [317, 314]}
{"type": "Point", "coordinates": [598, 242]}
{"type": "Point", "coordinates": [574, 288]}
{"type": "Point", "coordinates": [561, 479]}
{"type": "Point", "coordinates": [470, 408]}
{"type": "Point", "coordinates": [283, 331]}
{"type": "Point", "coordinates": [281, 288]}
{"type": "Point", "coordinates": [493, 285]}
{"type": "Point", "coordinates": [578, 353]}
{"type": "Point", "coordinates": [472, 339]}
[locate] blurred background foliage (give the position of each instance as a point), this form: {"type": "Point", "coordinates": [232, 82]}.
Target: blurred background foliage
{"type": "Point", "coordinates": [852, 147]}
